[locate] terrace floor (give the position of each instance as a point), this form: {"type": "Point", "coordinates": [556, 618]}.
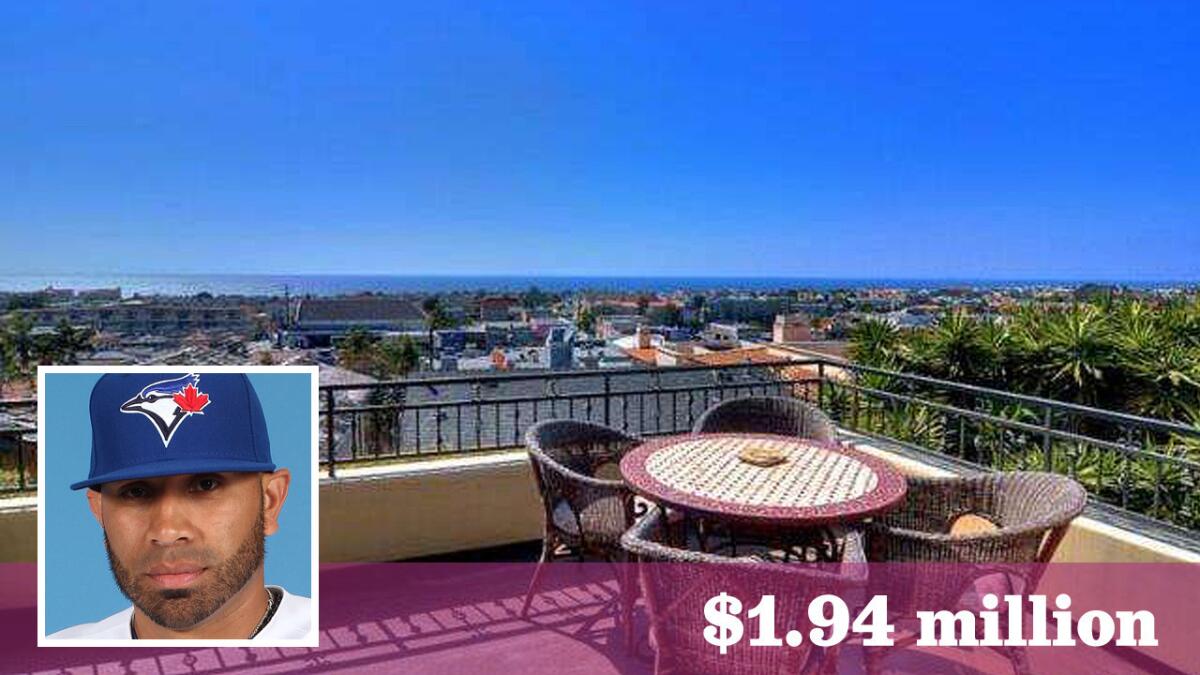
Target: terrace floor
{"type": "Point", "coordinates": [570, 620]}
{"type": "Point", "coordinates": [418, 618]}
{"type": "Point", "coordinates": [461, 624]}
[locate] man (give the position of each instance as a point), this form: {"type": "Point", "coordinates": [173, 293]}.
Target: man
{"type": "Point", "coordinates": [183, 486]}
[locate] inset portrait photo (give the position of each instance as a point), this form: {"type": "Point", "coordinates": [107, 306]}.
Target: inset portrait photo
{"type": "Point", "coordinates": [177, 506]}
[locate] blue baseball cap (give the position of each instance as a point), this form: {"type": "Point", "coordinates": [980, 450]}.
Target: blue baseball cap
{"type": "Point", "coordinates": [146, 425]}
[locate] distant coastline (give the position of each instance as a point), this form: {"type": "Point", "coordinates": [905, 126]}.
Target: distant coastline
{"type": "Point", "coordinates": [327, 285]}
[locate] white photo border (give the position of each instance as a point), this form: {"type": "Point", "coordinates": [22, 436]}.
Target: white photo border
{"type": "Point", "coordinates": [312, 639]}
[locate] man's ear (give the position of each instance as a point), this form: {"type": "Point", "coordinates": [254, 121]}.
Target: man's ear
{"type": "Point", "coordinates": [94, 503]}
{"type": "Point", "coordinates": [275, 489]}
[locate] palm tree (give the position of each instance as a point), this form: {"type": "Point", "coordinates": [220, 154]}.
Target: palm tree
{"type": "Point", "coordinates": [68, 341]}
{"type": "Point", "coordinates": [45, 350]}
{"type": "Point", "coordinates": [20, 340]}
{"type": "Point", "coordinates": [391, 359]}
{"type": "Point", "coordinates": [1182, 320]}
{"type": "Point", "coordinates": [1158, 362]}
{"type": "Point", "coordinates": [8, 361]}
{"type": "Point", "coordinates": [585, 321]}
{"type": "Point", "coordinates": [956, 351]}
{"type": "Point", "coordinates": [960, 348]}
{"type": "Point", "coordinates": [696, 305]}
{"type": "Point", "coordinates": [1077, 354]}
{"type": "Point", "coordinates": [1138, 356]}
{"type": "Point", "coordinates": [355, 350]}
{"type": "Point", "coordinates": [397, 358]}
{"type": "Point", "coordinates": [435, 318]}
{"type": "Point", "coordinates": [914, 423]}
{"type": "Point", "coordinates": [875, 342]}
{"type": "Point", "coordinates": [996, 339]}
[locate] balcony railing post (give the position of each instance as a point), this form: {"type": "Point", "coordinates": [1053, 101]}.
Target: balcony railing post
{"type": "Point", "coordinates": [1157, 499]}
{"type": "Point", "coordinates": [329, 422]}
{"type": "Point", "coordinates": [20, 462]}
{"type": "Point", "coordinates": [962, 437]}
{"type": "Point", "coordinates": [856, 400]}
{"type": "Point", "coordinates": [1127, 439]}
{"type": "Point", "coordinates": [821, 384]}
{"type": "Point", "coordinates": [1047, 453]}
{"type": "Point", "coordinates": [607, 406]}
{"type": "Point", "coordinates": [477, 396]}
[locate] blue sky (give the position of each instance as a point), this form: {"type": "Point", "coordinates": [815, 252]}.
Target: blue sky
{"type": "Point", "coordinates": [809, 139]}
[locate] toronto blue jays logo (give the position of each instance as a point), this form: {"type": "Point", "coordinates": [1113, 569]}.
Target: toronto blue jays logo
{"type": "Point", "coordinates": [167, 403]}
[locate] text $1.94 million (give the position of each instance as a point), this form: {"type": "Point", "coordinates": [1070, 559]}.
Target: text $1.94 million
{"type": "Point", "coordinates": [828, 614]}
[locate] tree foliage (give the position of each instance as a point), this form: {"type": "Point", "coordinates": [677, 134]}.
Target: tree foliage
{"type": "Point", "coordinates": [585, 321]}
{"type": "Point", "coordinates": [1116, 354]}
{"type": "Point", "coordinates": [22, 349]}
{"type": "Point", "coordinates": [1123, 355]}
{"type": "Point", "coordinates": [385, 359]}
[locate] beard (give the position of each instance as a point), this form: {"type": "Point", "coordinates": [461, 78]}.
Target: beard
{"type": "Point", "coordinates": [182, 608]}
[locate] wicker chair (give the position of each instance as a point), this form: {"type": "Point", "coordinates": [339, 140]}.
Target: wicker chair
{"type": "Point", "coordinates": [1026, 514]}
{"type": "Point", "coordinates": [768, 415]}
{"type": "Point", "coordinates": [676, 590]}
{"type": "Point", "coordinates": [585, 514]}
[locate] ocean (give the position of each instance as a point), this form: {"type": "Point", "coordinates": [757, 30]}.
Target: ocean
{"type": "Point", "coordinates": [326, 285]}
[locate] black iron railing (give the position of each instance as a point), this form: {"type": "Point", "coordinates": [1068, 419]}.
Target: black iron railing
{"type": "Point", "coordinates": [18, 445]}
{"type": "Point", "coordinates": [1142, 465]}
{"type": "Point", "coordinates": [418, 417]}
{"type": "Point", "coordinates": [1139, 464]}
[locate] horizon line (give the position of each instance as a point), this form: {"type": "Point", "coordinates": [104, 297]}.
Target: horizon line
{"type": "Point", "coordinates": [560, 275]}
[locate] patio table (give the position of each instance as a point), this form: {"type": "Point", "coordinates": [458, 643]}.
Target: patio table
{"type": "Point", "coordinates": [818, 484]}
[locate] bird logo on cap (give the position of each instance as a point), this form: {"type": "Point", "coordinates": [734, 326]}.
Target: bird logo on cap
{"type": "Point", "coordinates": [167, 403]}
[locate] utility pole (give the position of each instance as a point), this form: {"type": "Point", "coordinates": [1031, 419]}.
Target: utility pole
{"type": "Point", "coordinates": [287, 307]}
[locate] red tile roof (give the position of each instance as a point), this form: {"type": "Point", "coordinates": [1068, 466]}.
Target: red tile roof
{"type": "Point", "coordinates": [649, 356]}
{"type": "Point", "coordinates": [735, 356]}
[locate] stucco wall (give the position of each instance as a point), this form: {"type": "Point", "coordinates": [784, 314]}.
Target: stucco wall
{"type": "Point", "coordinates": [427, 508]}
{"type": "Point", "coordinates": [457, 504]}
{"type": "Point", "coordinates": [18, 530]}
